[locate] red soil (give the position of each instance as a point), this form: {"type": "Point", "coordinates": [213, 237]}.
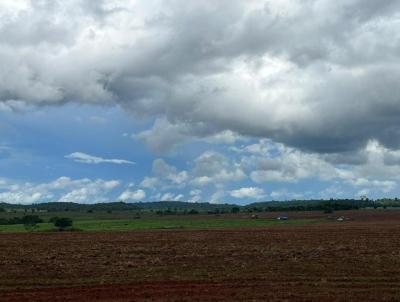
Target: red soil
{"type": "Point", "coordinates": [350, 261]}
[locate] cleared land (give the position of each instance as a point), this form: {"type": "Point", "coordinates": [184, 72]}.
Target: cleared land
{"type": "Point", "coordinates": [330, 261]}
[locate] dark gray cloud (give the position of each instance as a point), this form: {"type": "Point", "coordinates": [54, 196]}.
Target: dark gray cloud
{"type": "Point", "coordinates": [319, 75]}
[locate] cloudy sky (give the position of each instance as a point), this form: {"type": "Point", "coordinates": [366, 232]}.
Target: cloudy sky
{"type": "Point", "coordinates": [221, 101]}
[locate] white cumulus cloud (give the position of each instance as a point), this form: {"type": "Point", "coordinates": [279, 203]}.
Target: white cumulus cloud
{"type": "Point", "coordinates": [138, 195]}
{"type": "Point", "coordinates": [248, 192]}
{"type": "Point", "coordinates": [90, 159]}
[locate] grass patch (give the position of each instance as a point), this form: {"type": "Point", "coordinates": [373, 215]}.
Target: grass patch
{"type": "Point", "coordinates": [18, 228]}
{"type": "Point", "coordinates": [152, 224]}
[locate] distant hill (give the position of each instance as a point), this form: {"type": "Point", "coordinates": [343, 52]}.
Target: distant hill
{"type": "Point", "coordinates": [71, 206]}
{"type": "Point", "coordinates": [205, 207]}
{"type": "Point", "coordinates": [180, 205]}
{"type": "Point", "coordinates": [313, 205]}
{"type": "Point", "coordinates": [173, 206]}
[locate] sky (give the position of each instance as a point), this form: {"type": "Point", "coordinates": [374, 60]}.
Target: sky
{"type": "Point", "coordinates": [223, 101]}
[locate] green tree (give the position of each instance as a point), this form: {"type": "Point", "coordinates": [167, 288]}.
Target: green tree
{"type": "Point", "coordinates": [62, 223]}
{"type": "Point", "coordinates": [53, 219]}
{"type": "Point", "coordinates": [30, 221]}
{"type": "Point", "coordinates": [235, 210]}
{"type": "Point", "coordinates": [328, 210]}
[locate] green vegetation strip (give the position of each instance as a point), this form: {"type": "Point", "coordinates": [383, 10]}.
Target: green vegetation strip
{"type": "Point", "coordinates": [144, 224]}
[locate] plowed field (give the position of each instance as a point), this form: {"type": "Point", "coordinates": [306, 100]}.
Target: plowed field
{"type": "Point", "coordinates": [350, 261]}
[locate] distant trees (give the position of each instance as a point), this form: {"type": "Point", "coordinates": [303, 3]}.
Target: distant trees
{"type": "Point", "coordinates": [177, 212]}
{"type": "Point", "coordinates": [2, 210]}
{"type": "Point", "coordinates": [166, 212]}
{"type": "Point", "coordinates": [61, 222]}
{"type": "Point", "coordinates": [31, 221]}
{"type": "Point", "coordinates": [235, 210]}
{"type": "Point", "coordinates": [328, 206]}
{"type": "Point", "coordinates": [162, 207]}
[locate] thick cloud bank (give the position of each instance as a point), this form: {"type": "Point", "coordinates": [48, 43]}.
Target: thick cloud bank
{"type": "Point", "coordinates": [318, 75]}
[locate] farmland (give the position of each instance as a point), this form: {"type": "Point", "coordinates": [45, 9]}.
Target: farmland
{"type": "Point", "coordinates": [146, 224]}
{"type": "Point", "coordinates": [126, 221]}
{"type": "Point", "coordinates": [312, 258]}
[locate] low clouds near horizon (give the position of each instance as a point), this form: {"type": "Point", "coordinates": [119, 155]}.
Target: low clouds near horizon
{"type": "Point", "coordinates": [264, 92]}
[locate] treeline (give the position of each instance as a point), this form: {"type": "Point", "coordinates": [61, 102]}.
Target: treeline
{"type": "Point", "coordinates": [312, 205]}
{"type": "Point", "coordinates": [187, 208]}
{"type": "Point", "coordinates": [215, 211]}
{"type": "Point", "coordinates": [30, 222]}
{"type": "Point", "coordinates": [25, 220]}
{"type": "Point", "coordinates": [71, 207]}
{"type": "Point", "coordinates": [162, 206]}
{"type": "Point", "coordinates": [385, 203]}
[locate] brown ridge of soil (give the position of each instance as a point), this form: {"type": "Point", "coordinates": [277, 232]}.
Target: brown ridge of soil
{"type": "Point", "coordinates": [244, 290]}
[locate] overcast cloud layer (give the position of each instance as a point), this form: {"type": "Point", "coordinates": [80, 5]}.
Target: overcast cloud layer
{"type": "Point", "coordinates": [315, 81]}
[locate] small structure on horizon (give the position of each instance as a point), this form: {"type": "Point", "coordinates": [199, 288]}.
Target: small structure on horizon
{"type": "Point", "coordinates": [282, 218]}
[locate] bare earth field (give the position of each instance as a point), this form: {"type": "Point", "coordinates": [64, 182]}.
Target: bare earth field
{"type": "Point", "coordinates": [350, 261]}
